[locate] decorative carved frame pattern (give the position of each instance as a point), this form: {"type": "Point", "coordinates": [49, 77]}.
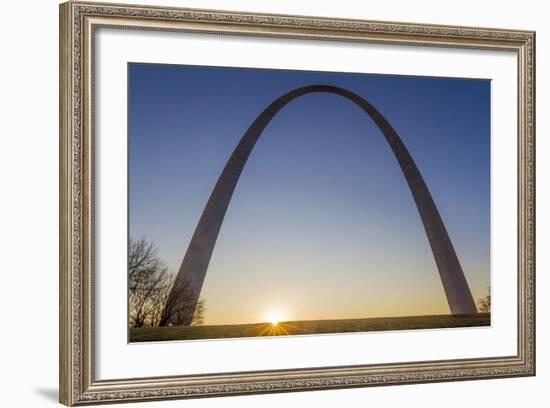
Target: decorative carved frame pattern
{"type": "Point", "coordinates": [78, 20]}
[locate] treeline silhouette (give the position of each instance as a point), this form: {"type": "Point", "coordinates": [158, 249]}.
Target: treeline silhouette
{"type": "Point", "coordinates": [149, 283]}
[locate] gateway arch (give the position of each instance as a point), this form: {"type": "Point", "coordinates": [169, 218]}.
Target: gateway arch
{"type": "Point", "coordinates": [188, 283]}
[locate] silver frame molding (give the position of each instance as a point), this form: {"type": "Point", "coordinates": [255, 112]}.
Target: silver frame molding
{"type": "Point", "coordinates": [78, 22]}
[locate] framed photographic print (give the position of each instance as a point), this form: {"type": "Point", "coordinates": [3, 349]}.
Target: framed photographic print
{"type": "Point", "coordinates": [258, 203]}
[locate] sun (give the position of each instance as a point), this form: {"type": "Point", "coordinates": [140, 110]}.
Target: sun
{"type": "Point", "coordinates": [274, 317]}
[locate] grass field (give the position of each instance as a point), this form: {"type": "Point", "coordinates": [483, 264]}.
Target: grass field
{"type": "Point", "coordinates": [307, 327]}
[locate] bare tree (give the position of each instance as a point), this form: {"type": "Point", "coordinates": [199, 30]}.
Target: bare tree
{"type": "Point", "coordinates": [484, 303]}
{"type": "Point", "coordinates": [182, 308]}
{"type": "Point", "coordinates": [157, 303]}
{"type": "Point", "coordinates": [198, 316]}
{"type": "Point", "coordinates": [149, 284]}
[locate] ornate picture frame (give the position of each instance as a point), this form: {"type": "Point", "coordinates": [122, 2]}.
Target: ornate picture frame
{"type": "Point", "coordinates": [78, 24]}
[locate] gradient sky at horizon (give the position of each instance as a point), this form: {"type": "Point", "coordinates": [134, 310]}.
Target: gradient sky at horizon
{"type": "Point", "coordinates": [322, 224]}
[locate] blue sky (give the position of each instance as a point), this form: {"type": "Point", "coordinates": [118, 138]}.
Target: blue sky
{"type": "Point", "coordinates": [322, 224]}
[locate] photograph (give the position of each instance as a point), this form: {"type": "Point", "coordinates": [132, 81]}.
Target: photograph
{"type": "Point", "coordinates": [273, 200]}
{"type": "Point", "coordinates": [270, 202]}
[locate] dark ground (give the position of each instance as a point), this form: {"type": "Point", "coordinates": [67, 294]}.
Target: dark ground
{"type": "Point", "coordinates": [308, 327]}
